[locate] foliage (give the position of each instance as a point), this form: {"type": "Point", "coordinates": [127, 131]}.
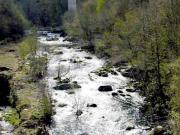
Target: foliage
{"type": "Point", "coordinates": [37, 68]}
{"type": "Point", "coordinates": [12, 117]}
{"type": "Point", "coordinates": [44, 12]}
{"type": "Point", "coordinates": [47, 109]}
{"type": "Point", "coordinates": [143, 32]}
{"type": "Point", "coordinates": [175, 94]}
{"type": "Point", "coordinates": [27, 47]}
{"type": "Point", "coordinates": [12, 22]}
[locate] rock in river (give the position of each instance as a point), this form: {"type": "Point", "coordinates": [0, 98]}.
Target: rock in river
{"type": "Point", "coordinates": [130, 90]}
{"type": "Point", "coordinates": [120, 91]}
{"type": "Point", "coordinates": [130, 128]}
{"type": "Point", "coordinates": [64, 86]}
{"type": "Point", "coordinates": [92, 105]}
{"type": "Point", "coordinates": [106, 88]}
{"type": "Point", "coordinates": [114, 94]}
{"type": "Point", "coordinates": [103, 74]}
{"type": "Point", "coordinates": [79, 113]}
{"type": "Point", "coordinates": [67, 86]}
{"type": "Point", "coordinates": [88, 57]}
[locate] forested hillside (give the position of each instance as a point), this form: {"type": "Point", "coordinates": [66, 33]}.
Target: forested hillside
{"type": "Point", "coordinates": [44, 12]}
{"type": "Point", "coordinates": [146, 33]}
{"type": "Point", "coordinates": [18, 15]}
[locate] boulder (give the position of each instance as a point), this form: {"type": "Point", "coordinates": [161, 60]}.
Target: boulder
{"type": "Point", "coordinates": [102, 74]}
{"type": "Point", "coordinates": [128, 95]}
{"type": "Point", "coordinates": [123, 95]}
{"type": "Point", "coordinates": [130, 90]}
{"type": "Point", "coordinates": [4, 69]}
{"type": "Point", "coordinates": [92, 105]}
{"type": "Point", "coordinates": [62, 105]}
{"type": "Point", "coordinates": [130, 128]}
{"type": "Point", "coordinates": [67, 86]}
{"type": "Point", "coordinates": [114, 94]}
{"type": "Point", "coordinates": [71, 92]}
{"type": "Point", "coordinates": [79, 113]}
{"type": "Point", "coordinates": [88, 57]}
{"type": "Point", "coordinates": [64, 86]}
{"type": "Point", "coordinates": [113, 72]}
{"type": "Point", "coordinates": [67, 80]}
{"type": "Point", "coordinates": [106, 88]}
{"type": "Point", "coordinates": [120, 91]}
{"type": "Point", "coordinates": [63, 60]}
{"type": "Point", "coordinates": [158, 130]}
{"type": "Point", "coordinates": [76, 86]}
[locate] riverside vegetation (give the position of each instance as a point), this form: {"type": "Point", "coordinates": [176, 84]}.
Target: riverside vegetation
{"type": "Point", "coordinates": [20, 70]}
{"type": "Point", "coordinates": [141, 33]}
{"type": "Point", "coordinates": [144, 33]}
{"type": "Point", "coordinates": [30, 109]}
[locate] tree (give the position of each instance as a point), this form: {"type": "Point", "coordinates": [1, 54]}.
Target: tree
{"type": "Point", "coordinates": [12, 22]}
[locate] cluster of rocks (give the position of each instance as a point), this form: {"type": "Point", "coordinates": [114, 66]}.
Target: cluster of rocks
{"type": "Point", "coordinates": [104, 71]}
{"type": "Point", "coordinates": [121, 93]}
{"type": "Point", "coordinates": [75, 61]}
{"type": "Point", "coordinates": [66, 84]}
{"type": "Point", "coordinates": [52, 38]}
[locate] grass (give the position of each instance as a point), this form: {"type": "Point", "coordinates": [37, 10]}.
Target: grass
{"type": "Point", "coordinates": [12, 117]}
{"type": "Point", "coordinates": [8, 59]}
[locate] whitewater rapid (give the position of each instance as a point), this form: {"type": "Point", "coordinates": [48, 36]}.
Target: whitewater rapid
{"type": "Point", "coordinates": [110, 117]}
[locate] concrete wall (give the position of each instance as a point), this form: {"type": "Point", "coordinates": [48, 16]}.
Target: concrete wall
{"type": "Point", "coordinates": [72, 5]}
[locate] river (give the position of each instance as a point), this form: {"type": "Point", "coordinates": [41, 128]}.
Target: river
{"type": "Point", "coordinates": [109, 116]}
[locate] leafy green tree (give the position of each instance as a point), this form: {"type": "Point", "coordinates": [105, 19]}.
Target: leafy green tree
{"type": "Point", "coordinates": [12, 22]}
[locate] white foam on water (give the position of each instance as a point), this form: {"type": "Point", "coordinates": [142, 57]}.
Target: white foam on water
{"type": "Point", "coordinates": [109, 117]}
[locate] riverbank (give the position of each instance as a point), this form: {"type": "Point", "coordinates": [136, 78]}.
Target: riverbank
{"type": "Point", "coordinates": [28, 105]}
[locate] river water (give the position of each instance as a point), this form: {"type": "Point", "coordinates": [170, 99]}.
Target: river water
{"type": "Point", "coordinates": [110, 117]}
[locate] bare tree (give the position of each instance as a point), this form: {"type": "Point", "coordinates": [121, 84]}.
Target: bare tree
{"type": "Point", "coordinates": [62, 71]}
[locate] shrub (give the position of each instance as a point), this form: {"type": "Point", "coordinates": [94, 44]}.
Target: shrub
{"type": "Point", "coordinates": [27, 46]}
